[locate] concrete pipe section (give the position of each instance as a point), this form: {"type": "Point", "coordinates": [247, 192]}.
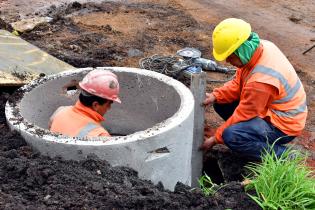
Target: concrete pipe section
{"type": "Point", "coordinates": [152, 128]}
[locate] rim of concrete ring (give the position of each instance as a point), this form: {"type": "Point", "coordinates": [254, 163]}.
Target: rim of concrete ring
{"type": "Point", "coordinates": [186, 106]}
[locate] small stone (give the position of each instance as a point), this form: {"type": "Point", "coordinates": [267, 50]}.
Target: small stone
{"type": "Point", "coordinates": [47, 197]}
{"type": "Point", "coordinates": [295, 18]}
{"type": "Point", "coordinates": [29, 24]}
{"type": "Point", "coordinates": [134, 53]}
{"type": "Point", "coordinates": [99, 172]}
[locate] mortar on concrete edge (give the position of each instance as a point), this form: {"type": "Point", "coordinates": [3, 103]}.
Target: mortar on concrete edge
{"type": "Point", "coordinates": [155, 122]}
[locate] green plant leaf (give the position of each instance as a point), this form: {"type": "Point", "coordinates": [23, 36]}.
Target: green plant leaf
{"type": "Point", "coordinates": [282, 182]}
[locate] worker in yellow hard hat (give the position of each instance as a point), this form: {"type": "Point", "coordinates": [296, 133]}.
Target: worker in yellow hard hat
{"type": "Point", "coordinates": [265, 103]}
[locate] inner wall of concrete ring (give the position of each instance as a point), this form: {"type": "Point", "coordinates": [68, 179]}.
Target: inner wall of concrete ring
{"type": "Point", "coordinates": [153, 124]}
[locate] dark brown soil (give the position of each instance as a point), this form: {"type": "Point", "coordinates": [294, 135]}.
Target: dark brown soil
{"type": "Point", "coordinates": [86, 35]}
{"type": "Point", "coordinates": [31, 181]}
{"type": "Point", "coordinates": [4, 25]}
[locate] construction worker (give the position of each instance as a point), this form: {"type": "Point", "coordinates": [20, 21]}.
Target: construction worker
{"type": "Point", "coordinates": [265, 103]}
{"type": "Point", "coordinates": [99, 89]}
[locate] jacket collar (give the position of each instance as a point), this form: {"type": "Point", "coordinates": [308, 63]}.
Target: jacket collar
{"type": "Point", "coordinates": [79, 107]}
{"type": "Point", "coordinates": [253, 61]}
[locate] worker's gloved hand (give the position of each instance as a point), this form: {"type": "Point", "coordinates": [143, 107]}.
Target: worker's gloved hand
{"type": "Point", "coordinates": [208, 143]}
{"type": "Point", "coordinates": [210, 99]}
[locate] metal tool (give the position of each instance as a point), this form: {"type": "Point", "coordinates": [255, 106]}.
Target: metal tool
{"type": "Point", "coordinates": [191, 62]}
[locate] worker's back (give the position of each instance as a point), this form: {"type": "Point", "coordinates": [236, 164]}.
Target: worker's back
{"type": "Point", "coordinates": [77, 121]}
{"type": "Point", "coordinates": [288, 111]}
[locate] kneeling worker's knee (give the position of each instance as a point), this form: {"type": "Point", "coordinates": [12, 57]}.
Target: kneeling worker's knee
{"type": "Point", "coordinates": [228, 137]}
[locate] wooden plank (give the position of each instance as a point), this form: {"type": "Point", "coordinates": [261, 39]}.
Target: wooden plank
{"type": "Point", "coordinates": [21, 62]}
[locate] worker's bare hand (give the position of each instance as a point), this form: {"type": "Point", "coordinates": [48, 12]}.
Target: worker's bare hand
{"type": "Point", "coordinates": [210, 99]}
{"type": "Point", "coordinates": [208, 143]}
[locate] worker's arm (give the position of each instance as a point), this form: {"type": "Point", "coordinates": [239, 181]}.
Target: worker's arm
{"type": "Point", "coordinates": [104, 134]}
{"type": "Point", "coordinates": [229, 92]}
{"type": "Point", "coordinates": [255, 101]}
{"type": "Point", "coordinates": [99, 132]}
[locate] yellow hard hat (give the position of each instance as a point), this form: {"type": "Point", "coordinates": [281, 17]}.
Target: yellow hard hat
{"type": "Point", "coordinates": [228, 35]}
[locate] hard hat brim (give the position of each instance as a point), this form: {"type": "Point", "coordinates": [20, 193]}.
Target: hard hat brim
{"type": "Point", "coordinates": [117, 100]}
{"type": "Point", "coordinates": [219, 57]}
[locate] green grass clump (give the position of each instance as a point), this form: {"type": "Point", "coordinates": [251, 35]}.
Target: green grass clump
{"type": "Point", "coordinates": [282, 182]}
{"type": "Point", "coordinates": [206, 185]}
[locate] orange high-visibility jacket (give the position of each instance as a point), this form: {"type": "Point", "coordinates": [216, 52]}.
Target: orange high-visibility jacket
{"type": "Point", "coordinates": [268, 70]}
{"type": "Point", "coordinates": [78, 121]}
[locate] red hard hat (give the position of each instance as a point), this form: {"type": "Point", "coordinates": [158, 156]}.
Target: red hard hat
{"type": "Point", "coordinates": [101, 83]}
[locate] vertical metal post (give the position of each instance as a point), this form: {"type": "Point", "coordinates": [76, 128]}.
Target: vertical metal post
{"type": "Point", "coordinates": [198, 88]}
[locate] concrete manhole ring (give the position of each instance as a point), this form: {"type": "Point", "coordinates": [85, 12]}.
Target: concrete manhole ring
{"type": "Point", "coordinates": [154, 123]}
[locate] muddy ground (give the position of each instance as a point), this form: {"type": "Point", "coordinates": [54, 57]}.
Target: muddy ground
{"type": "Point", "coordinates": [120, 33]}
{"type": "Point", "coordinates": [31, 181]}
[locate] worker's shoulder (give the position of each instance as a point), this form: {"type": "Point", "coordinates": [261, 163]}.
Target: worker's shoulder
{"type": "Point", "coordinates": [58, 111]}
{"type": "Point", "coordinates": [269, 45]}
{"type": "Point", "coordinates": [62, 108]}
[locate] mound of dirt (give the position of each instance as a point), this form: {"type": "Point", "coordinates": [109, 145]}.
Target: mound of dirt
{"type": "Point", "coordinates": [31, 181]}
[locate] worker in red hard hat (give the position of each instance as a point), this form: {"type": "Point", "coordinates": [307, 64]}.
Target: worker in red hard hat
{"type": "Point", "coordinates": [265, 103]}
{"type": "Point", "coordinates": [99, 89]}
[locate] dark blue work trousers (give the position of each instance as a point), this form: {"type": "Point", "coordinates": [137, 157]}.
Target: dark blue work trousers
{"type": "Point", "coordinates": [253, 137]}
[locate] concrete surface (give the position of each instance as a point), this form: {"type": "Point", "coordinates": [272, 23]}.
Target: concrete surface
{"type": "Point", "coordinates": [198, 89]}
{"type": "Point", "coordinates": [155, 121]}
{"type": "Point", "coordinates": [21, 62]}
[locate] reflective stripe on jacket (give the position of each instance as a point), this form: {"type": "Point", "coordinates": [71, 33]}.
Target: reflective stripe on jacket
{"type": "Point", "coordinates": [288, 111]}
{"type": "Point", "coordinates": [78, 121]}
{"type": "Point", "coordinates": [268, 70]}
